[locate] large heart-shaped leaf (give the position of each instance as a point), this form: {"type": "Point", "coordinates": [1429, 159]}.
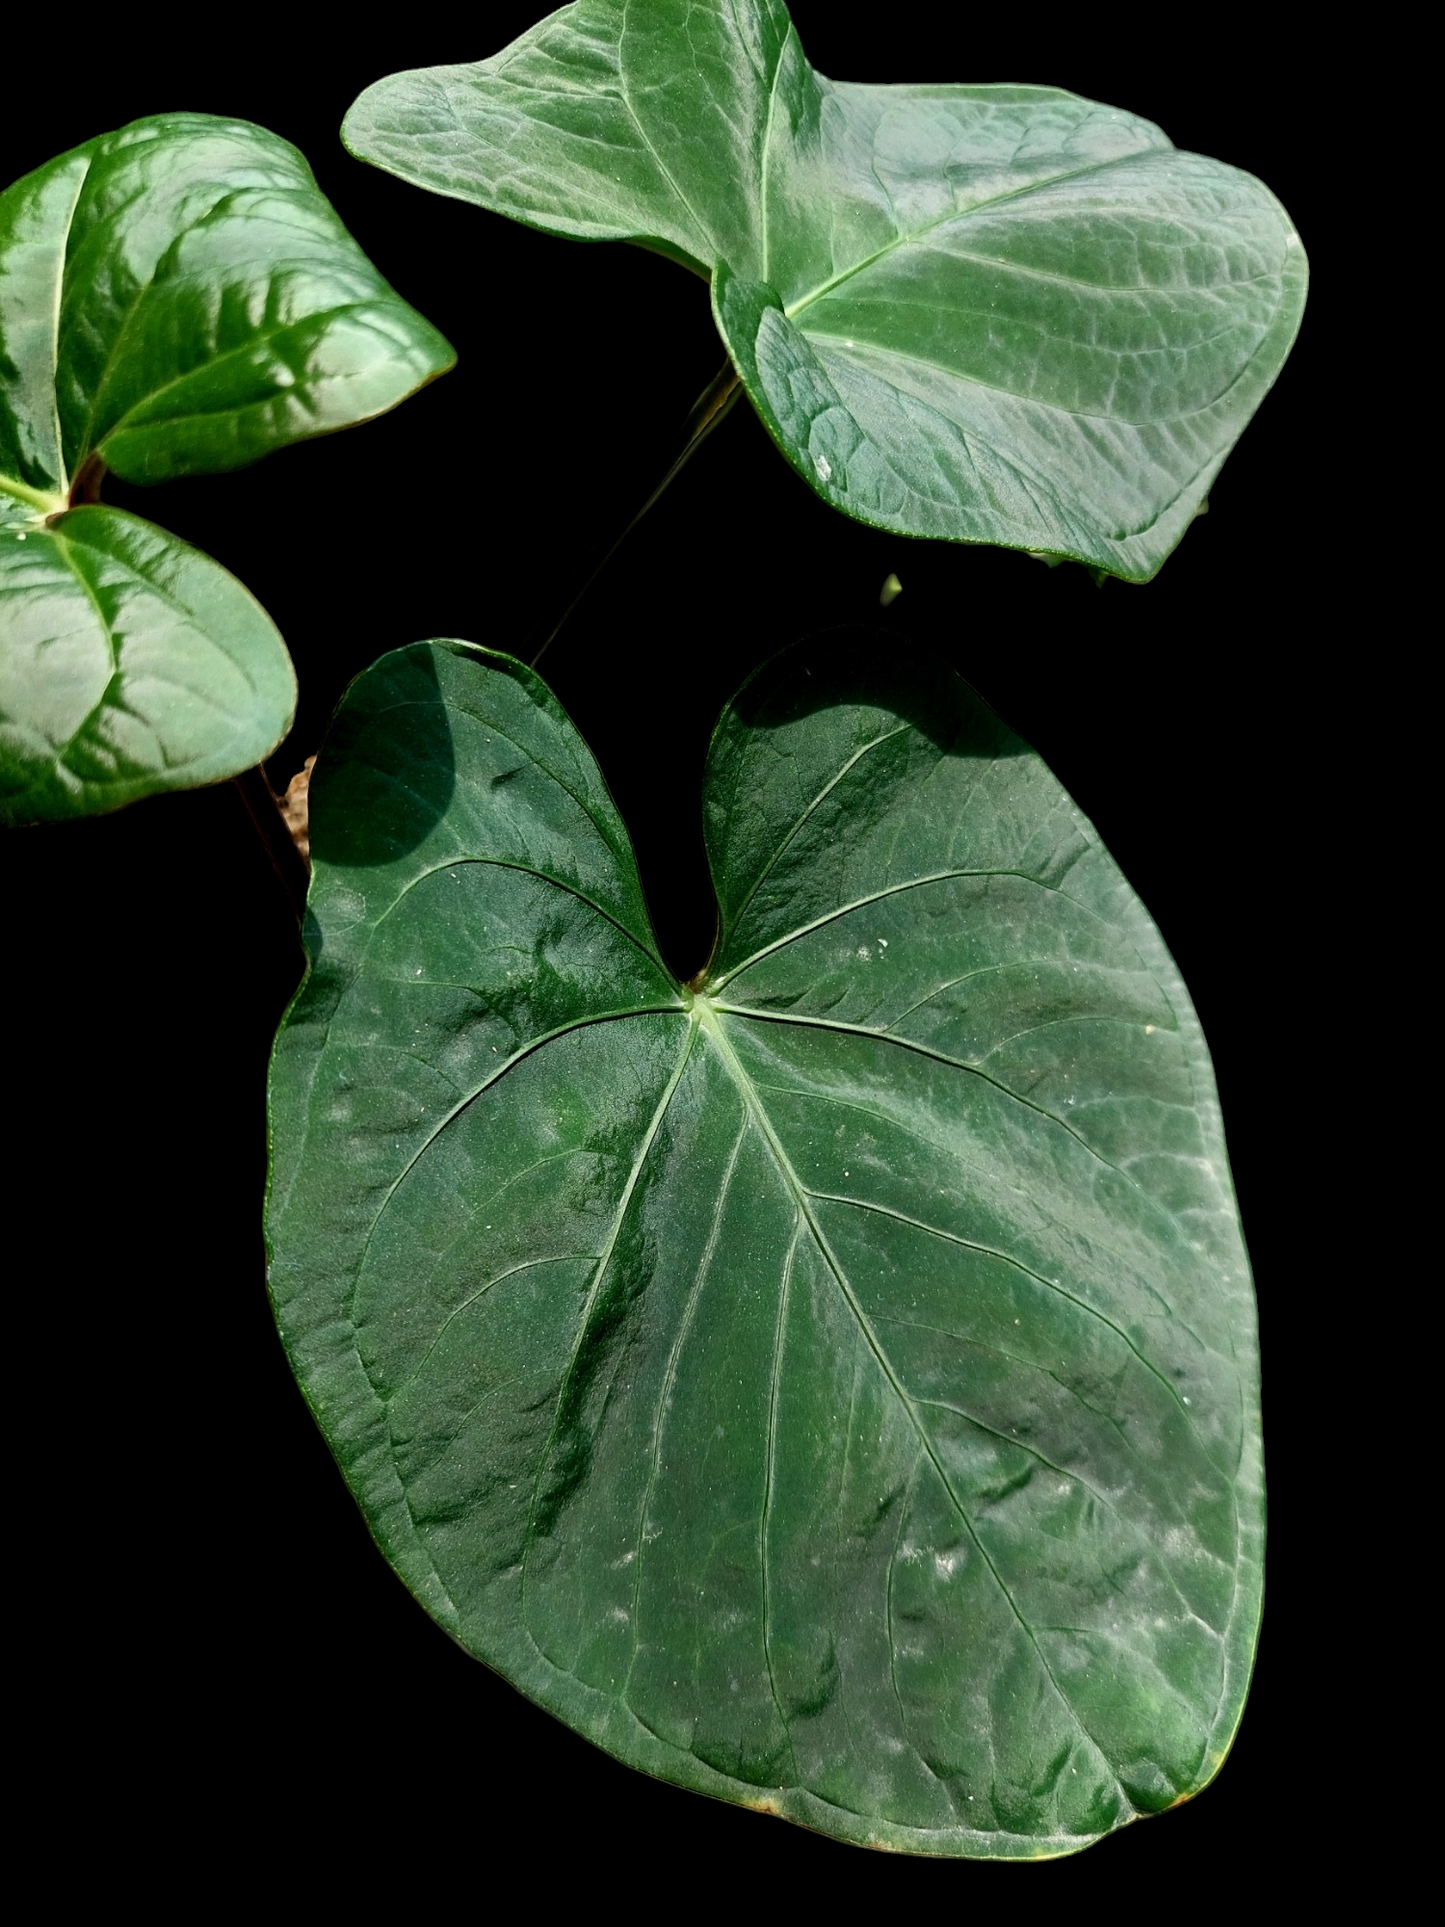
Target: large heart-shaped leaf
{"type": "Point", "coordinates": [831, 1386]}
{"type": "Point", "coordinates": [994, 314]}
{"type": "Point", "coordinates": [177, 297]}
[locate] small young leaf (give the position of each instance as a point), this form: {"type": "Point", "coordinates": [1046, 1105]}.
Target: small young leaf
{"type": "Point", "coordinates": [993, 314]}
{"type": "Point", "coordinates": [130, 662]}
{"type": "Point", "coordinates": [834, 1388]}
{"type": "Point", "coordinates": [175, 298]}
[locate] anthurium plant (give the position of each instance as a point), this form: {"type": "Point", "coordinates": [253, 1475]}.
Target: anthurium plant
{"type": "Point", "coordinates": [747, 1202]}
{"type": "Point", "coordinates": [177, 298]}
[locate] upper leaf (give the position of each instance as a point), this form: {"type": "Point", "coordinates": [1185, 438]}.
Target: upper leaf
{"type": "Point", "coordinates": [995, 314]}
{"type": "Point", "coordinates": [834, 1390]}
{"type": "Point", "coordinates": [176, 297]}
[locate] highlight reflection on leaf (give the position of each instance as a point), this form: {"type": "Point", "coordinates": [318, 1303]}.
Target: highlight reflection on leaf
{"type": "Point", "coordinates": [986, 313]}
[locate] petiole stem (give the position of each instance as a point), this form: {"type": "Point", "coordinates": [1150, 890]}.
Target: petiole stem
{"type": "Point", "coordinates": [263, 806]}
{"type": "Point", "coordinates": [709, 409]}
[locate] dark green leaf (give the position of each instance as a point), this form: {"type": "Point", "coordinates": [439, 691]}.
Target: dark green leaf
{"type": "Point", "coordinates": [835, 1388]}
{"type": "Point", "coordinates": [993, 314]}
{"type": "Point", "coordinates": [175, 298]}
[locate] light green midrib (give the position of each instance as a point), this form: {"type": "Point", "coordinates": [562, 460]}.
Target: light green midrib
{"type": "Point", "coordinates": [703, 230]}
{"type": "Point", "coordinates": [62, 753]}
{"type": "Point", "coordinates": [885, 1036]}
{"type": "Point", "coordinates": [708, 1020]}
{"type": "Point", "coordinates": [10, 485]}
{"type": "Point", "coordinates": [664, 1402]}
{"type": "Point", "coordinates": [604, 1261]}
{"type": "Point", "coordinates": [126, 424]}
{"type": "Point", "coordinates": [493, 1077]}
{"type": "Point", "coordinates": [32, 497]}
{"type": "Point", "coordinates": [736, 917]}
{"type": "Point", "coordinates": [909, 238]}
{"type": "Point", "coordinates": [716, 984]}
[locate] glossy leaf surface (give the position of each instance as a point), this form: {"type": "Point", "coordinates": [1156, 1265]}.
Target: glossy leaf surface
{"type": "Point", "coordinates": [833, 1389]}
{"type": "Point", "coordinates": [175, 298]}
{"type": "Point", "coordinates": [129, 663]}
{"type": "Point", "coordinates": [993, 314]}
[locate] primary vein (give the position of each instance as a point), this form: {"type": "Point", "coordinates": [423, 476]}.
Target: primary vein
{"type": "Point", "coordinates": [804, 1205]}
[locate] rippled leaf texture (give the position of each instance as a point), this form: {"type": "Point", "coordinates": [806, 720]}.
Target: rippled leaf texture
{"type": "Point", "coordinates": [833, 1389]}
{"type": "Point", "coordinates": [993, 314]}
{"type": "Point", "coordinates": [175, 298]}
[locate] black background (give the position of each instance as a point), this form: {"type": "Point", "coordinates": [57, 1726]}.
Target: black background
{"type": "Point", "coordinates": [235, 1661]}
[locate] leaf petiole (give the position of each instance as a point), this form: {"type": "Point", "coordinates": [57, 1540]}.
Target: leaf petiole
{"type": "Point", "coordinates": [707, 411]}
{"type": "Point", "coordinates": [85, 489]}
{"type": "Point", "coordinates": [263, 806]}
